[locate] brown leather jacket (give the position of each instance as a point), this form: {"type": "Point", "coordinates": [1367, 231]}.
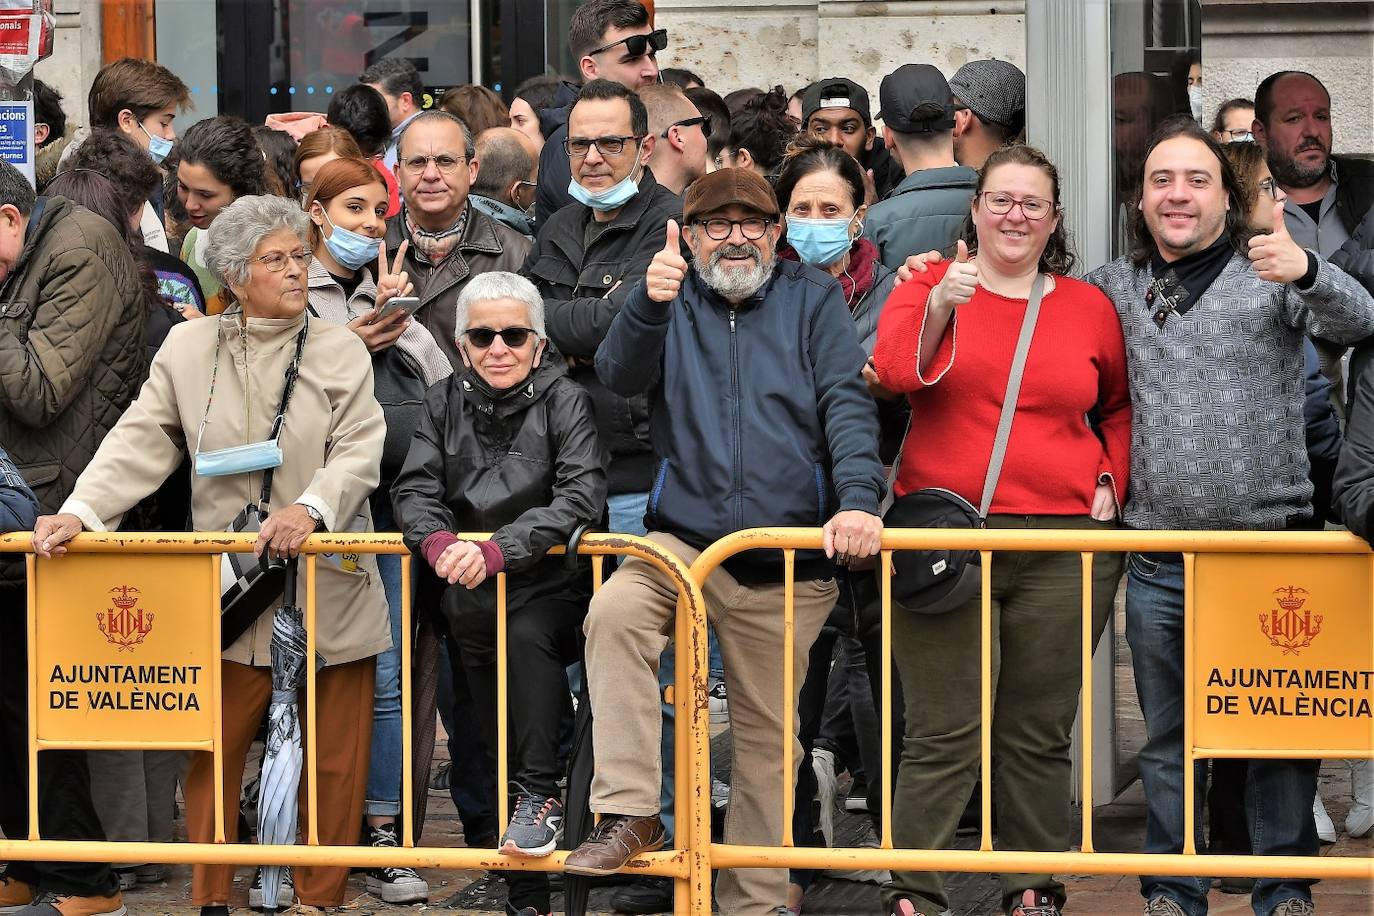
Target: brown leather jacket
{"type": "Point", "coordinates": [486, 245]}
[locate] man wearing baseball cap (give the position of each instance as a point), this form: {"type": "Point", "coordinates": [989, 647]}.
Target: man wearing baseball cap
{"type": "Point", "coordinates": [925, 211]}
{"type": "Point", "coordinates": [838, 110]}
{"type": "Point", "coordinates": [760, 418]}
{"type": "Point", "coordinates": [990, 109]}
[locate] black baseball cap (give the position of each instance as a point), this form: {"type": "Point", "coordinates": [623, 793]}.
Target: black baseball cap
{"type": "Point", "coordinates": [914, 99]}
{"type": "Point", "coordinates": [835, 92]}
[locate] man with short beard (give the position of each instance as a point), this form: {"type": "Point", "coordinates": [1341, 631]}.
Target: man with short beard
{"type": "Point", "coordinates": [1327, 195]}
{"type": "Point", "coordinates": [760, 418]}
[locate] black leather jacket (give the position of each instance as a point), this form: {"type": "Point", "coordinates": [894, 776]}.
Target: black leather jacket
{"type": "Point", "coordinates": [523, 463]}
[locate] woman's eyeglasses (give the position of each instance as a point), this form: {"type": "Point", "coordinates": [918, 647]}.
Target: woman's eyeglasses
{"type": "Point", "coordinates": [1270, 187]}
{"type": "Point", "coordinates": [511, 337]}
{"type": "Point", "coordinates": [1032, 207]}
{"type": "Point", "coordinates": [276, 261]}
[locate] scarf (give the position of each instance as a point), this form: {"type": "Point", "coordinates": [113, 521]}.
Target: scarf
{"type": "Point", "coordinates": [856, 280]}
{"type": "Point", "coordinates": [435, 246]}
{"type": "Point", "coordinates": [1178, 285]}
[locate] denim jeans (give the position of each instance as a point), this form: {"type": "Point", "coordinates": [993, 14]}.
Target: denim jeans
{"type": "Point", "coordinates": [384, 772]}
{"type": "Point", "coordinates": [1278, 793]}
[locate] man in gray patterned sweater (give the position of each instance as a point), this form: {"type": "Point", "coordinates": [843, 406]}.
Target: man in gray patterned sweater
{"type": "Point", "coordinates": [1214, 322]}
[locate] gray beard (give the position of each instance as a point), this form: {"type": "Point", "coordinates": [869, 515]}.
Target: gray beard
{"type": "Point", "coordinates": [734, 284]}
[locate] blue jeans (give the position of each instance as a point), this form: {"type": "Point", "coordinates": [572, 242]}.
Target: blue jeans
{"type": "Point", "coordinates": [1278, 793]}
{"type": "Point", "coordinates": [384, 772]}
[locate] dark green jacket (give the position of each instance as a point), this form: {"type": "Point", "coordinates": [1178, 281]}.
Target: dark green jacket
{"type": "Point", "coordinates": [923, 213]}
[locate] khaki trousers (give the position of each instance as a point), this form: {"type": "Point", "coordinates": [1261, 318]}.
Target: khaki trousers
{"type": "Point", "coordinates": [628, 627]}
{"type": "Point", "coordinates": [344, 719]}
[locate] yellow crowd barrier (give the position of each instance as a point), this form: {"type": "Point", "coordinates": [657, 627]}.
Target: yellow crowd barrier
{"type": "Point", "coordinates": [1280, 629]}
{"type": "Point", "coordinates": [1245, 593]}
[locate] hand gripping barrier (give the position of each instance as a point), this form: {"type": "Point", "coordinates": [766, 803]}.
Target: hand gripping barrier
{"type": "Point", "coordinates": [1232, 578]}
{"type": "Point", "coordinates": [170, 583]}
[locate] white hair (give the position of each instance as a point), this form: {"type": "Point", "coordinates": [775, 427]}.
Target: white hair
{"type": "Point", "coordinates": [240, 228]}
{"type": "Point", "coordinates": [500, 284]}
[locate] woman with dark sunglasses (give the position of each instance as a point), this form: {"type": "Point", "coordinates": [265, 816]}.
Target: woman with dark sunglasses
{"type": "Point", "coordinates": [509, 446]}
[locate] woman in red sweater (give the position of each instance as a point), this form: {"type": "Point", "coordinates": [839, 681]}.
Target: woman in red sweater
{"type": "Point", "coordinates": [946, 340]}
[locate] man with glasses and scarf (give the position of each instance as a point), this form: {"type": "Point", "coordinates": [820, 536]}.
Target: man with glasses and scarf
{"type": "Point", "coordinates": [611, 40]}
{"type": "Point", "coordinates": [760, 418]}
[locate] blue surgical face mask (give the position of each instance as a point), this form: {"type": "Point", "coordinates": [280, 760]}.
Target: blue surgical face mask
{"type": "Point", "coordinates": [820, 242]}
{"type": "Point", "coordinates": [239, 459]}
{"type": "Point", "coordinates": [158, 147]}
{"type": "Point", "coordinates": [613, 198]}
{"type": "Point", "coordinates": [349, 248]}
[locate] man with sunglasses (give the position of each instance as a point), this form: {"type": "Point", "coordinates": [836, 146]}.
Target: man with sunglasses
{"type": "Point", "coordinates": [612, 40]}
{"type": "Point", "coordinates": [760, 419]}
{"type": "Point", "coordinates": [679, 156]}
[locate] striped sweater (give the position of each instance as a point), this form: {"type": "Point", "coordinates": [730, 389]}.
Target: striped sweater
{"type": "Point", "coordinates": [1217, 394]}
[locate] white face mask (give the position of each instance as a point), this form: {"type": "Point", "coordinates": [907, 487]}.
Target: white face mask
{"type": "Point", "coordinates": [1195, 102]}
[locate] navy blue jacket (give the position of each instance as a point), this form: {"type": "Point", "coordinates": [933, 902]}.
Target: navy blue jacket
{"type": "Point", "coordinates": [759, 414]}
{"type": "Point", "coordinates": [18, 505]}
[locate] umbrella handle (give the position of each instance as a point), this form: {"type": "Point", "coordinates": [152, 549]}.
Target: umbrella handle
{"type": "Point", "coordinates": [570, 558]}
{"type": "Point", "coordinates": [289, 584]}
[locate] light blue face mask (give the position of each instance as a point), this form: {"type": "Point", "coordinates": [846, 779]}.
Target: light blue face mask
{"type": "Point", "coordinates": [820, 242]}
{"type": "Point", "coordinates": [158, 147]}
{"type": "Point", "coordinates": [239, 459]}
{"type": "Point", "coordinates": [613, 198]}
{"type": "Point", "coordinates": [349, 248]}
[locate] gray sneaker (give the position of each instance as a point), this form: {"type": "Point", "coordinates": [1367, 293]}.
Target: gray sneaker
{"type": "Point", "coordinates": [1294, 906]}
{"type": "Point", "coordinates": [286, 892]}
{"type": "Point", "coordinates": [1164, 906]}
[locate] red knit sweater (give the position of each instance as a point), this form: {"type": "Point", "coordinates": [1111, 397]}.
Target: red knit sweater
{"type": "Point", "coordinates": [1077, 361]}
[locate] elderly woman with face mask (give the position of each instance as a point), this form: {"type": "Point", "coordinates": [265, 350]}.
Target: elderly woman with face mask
{"type": "Point", "coordinates": [508, 445]}
{"type": "Point", "coordinates": [218, 385]}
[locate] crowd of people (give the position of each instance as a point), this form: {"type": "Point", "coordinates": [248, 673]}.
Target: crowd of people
{"type": "Point", "coordinates": [627, 302]}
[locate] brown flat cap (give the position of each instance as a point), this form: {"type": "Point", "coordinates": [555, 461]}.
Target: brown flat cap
{"type": "Point", "coordinates": [724, 187]}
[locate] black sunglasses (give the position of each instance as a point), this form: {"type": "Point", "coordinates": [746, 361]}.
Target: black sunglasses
{"type": "Point", "coordinates": [703, 120]}
{"type": "Point", "coordinates": [511, 337]}
{"type": "Point", "coordinates": [637, 45]}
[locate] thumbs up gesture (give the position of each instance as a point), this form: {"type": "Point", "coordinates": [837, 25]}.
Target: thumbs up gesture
{"type": "Point", "coordinates": [667, 270]}
{"type": "Point", "coordinates": [1276, 257]}
{"type": "Point", "coordinates": [958, 284]}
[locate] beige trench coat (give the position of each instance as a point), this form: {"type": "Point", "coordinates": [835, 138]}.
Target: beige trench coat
{"type": "Point", "coordinates": [331, 444]}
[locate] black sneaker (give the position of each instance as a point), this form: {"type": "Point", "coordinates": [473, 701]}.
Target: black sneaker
{"type": "Point", "coordinates": [285, 890]}
{"type": "Point", "coordinates": [536, 825]}
{"type": "Point", "coordinates": [644, 895]}
{"type": "Point", "coordinates": [393, 884]}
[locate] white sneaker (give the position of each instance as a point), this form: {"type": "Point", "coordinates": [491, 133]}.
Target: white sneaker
{"type": "Point", "coordinates": [1360, 819]}
{"type": "Point", "coordinates": [1326, 831]}
{"type": "Point", "coordinates": [719, 704]}
{"type": "Point", "coordinates": [285, 891]}
{"type": "Point", "coordinates": [823, 762]}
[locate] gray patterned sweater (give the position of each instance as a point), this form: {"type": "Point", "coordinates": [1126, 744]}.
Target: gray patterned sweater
{"type": "Point", "coordinates": [1217, 430]}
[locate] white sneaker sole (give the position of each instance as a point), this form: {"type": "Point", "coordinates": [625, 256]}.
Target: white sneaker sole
{"type": "Point", "coordinates": [510, 849]}
{"type": "Point", "coordinates": [286, 896]}
{"type": "Point", "coordinates": [398, 892]}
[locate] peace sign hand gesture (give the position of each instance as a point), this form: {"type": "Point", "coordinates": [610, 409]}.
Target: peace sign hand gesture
{"type": "Point", "coordinates": [394, 282]}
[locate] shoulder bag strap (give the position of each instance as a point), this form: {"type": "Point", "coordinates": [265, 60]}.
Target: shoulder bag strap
{"type": "Point", "coordinates": [1018, 368]}
{"type": "Point", "coordinates": [293, 371]}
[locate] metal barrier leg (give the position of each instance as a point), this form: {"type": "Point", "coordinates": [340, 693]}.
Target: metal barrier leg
{"type": "Point", "coordinates": [1086, 703]}
{"type": "Point", "coordinates": [886, 711]}
{"type": "Point", "coordinates": [985, 843]}
{"type": "Point", "coordinates": [789, 675]}
{"type": "Point", "coordinates": [312, 798]}
{"type": "Point", "coordinates": [407, 719]}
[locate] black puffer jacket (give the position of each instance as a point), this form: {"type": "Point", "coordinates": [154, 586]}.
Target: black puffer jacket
{"type": "Point", "coordinates": [523, 463]}
{"type": "Point", "coordinates": [584, 287]}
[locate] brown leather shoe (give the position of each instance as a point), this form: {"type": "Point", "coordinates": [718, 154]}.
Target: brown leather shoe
{"type": "Point", "coordinates": [14, 894]}
{"type": "Point", "coordinates": [617, 839]}
{"type": "Point", "coordinates": [50, 904]}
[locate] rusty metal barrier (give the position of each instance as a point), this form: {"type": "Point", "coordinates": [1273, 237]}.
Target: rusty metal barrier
{"type": "Point", "coordinates": [1333, 570]}
{"type": "Point", "coordinates": [176, 578]}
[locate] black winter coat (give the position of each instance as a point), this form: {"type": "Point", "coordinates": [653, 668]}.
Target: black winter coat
{"type": "Point", "coordinates": [579, 305]}
{"type": "Point", "coordinates": [524, 464]}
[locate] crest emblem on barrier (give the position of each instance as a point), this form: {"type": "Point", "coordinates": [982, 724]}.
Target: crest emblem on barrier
{"type": "Point", "coordinates": [125, 625]}
{"type": "Point", "coordinates": [1289, 626]}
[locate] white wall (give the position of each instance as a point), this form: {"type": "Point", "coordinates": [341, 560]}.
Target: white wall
{"type": "Point", "coordinates": [76, 55]}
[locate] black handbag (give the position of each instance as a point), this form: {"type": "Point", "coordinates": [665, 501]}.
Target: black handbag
{"type": "Point", "coordinates": [249, 584]}
{"type": "Point", "coordinates": [938, 580]}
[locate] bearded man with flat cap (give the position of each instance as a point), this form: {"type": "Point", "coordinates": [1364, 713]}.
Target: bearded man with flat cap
{"type": "Point", "coordinates": [760, 419]}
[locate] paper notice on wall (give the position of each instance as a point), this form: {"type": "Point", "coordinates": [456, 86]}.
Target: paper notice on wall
{"type": "Point", "coordinates": [23, 6]}
{"type": "Point", "coordinates": [16, 136]}
{"type": "Point", "coordinates": [19, 37]}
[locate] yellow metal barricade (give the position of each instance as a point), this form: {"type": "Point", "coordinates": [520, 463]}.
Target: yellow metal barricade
{"type": "Point", "coordinates": [1280, 630]}
{"type": "Point", "coordinates": [133, 619]}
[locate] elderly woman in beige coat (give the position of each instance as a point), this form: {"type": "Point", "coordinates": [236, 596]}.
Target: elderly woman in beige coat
{"type": "Point", "coordinates": [217, 383]}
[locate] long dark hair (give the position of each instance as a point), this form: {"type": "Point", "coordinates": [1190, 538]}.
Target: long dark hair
{"type": "Point", "coordinates": [1058, 257]}
{"type": "Point", "coordinates": [98, 194]}
{"type": "Point", "coordinates": [762, 128]}
{"type": "Point", "coordinates": [1237, 230]}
